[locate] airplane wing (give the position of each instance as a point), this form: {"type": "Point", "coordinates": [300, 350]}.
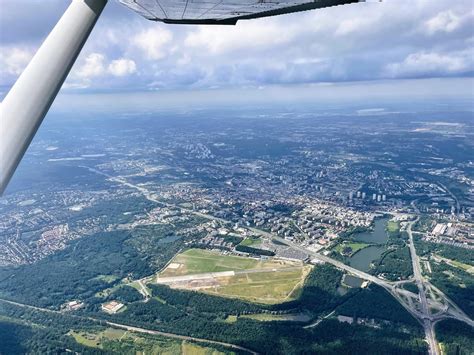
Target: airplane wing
{"type": "Point", "coordinates": [30, 98]}
{"type": "Point", "coordinates": [222, 12]}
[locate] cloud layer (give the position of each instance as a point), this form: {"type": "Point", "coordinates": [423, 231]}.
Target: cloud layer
{"type": "Point", "coordinates": [396, 39]}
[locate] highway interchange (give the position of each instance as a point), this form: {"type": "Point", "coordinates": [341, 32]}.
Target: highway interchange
{"type": "Point", "coordinates": [419, 305]}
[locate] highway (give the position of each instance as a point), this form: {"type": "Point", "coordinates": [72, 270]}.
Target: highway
{"type": "Point", "coordinates": [423, 315]}
{"type": "Point", "coordinates": [428, 325]}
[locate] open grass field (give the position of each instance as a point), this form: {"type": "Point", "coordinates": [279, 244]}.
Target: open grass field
{"type": "Point", "coordinates": [198, 261]}
{"type": "Point", "coordinates": [125, 342]}
{"type": "Point", "coordinates": [263, 281]}
{"type": "Point", "coordinates": [355, 247]}
{"type": "Point", "coordinates": [95, 340]}
{"type": "Point", "coordinates": [263, 287]}
{"type": "Point", "coordinates": [393, 226]}
{"type": "Point", "coordinates": [251, 242]}
{"type": "Point", "coordinates": [466, 267]}
{"type": "Point", "coordinates": [266, 317]}
{"type": "Point", "coordinates": [193, 349]}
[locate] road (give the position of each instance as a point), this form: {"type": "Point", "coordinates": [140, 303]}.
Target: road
{"type": "Point", "coordinates": [428, 325]}
{"type": "Point", "coordinates": [135, 329]}
{"type": "Point", "coordinates": [455, 198]}
{"type": "Point", "coordinates": [426, 319]}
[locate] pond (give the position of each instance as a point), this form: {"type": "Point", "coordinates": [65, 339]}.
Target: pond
{"type": "Point", "coordinates": [363, 258]}
{"type": "Point", "coordinates": [376, 236]}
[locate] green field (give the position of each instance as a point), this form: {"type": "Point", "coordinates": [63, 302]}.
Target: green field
{"type": "Point", "coordinates": [125, 342]}
{"type": "Point", "coordinates": [198, 261]}
{"type": "Point", "coordinates": [267, 317]}
{"type": "Point", "coordinates": [95, 340]}
{"type": "Point", "coordinates": [251, 242]}
{"type": "Point", "coordinates": [263, 287]}
{"type": "Point", "coordinates": [193, 349]}
{"type": "Point", "coordinates": [354, 248]}
{"type": "Point", "coordinates": [264, 281]}
{"type": "Point", "coordinates": [463, 266]}
{"type": "Point", "coordinates": [393, 226]}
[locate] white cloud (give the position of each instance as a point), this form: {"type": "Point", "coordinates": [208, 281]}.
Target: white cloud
{"type": "Point", "coordinates": [153, 42]}
{"type": "Point", "coordinates": [355, 42]}
{"type": "Point", "coordinates": [350, 26]}
{"type": "Point", "coordinates": [94, 65]}
{"type": "Point", "coordinates": [260, 34]}
{"type": "Point", "coordinates": [122, 67]}
{"type": "Point", "coordinates": [425, 63]}
{"type": "Point", "coordinates": [13, 60]}
{"type": "Point", "coordinates": [446, 21]}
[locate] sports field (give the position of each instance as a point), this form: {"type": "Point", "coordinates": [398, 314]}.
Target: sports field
{"type": "Point", "coordinates": [263, 281]}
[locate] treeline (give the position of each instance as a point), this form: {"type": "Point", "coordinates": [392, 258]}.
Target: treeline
{"type": "Point", "coordinates": [256, 251]}
{"type": "Point", "coordinates": [74, 273]}
{"type": "Point", "coordinates": [204, 303]}
{"type": "Point", "coordinates": [447, 251]}
{"type": "Point", "coordinates": [125, 294]}
{"type": "Point", "coordinates": [395, 264]}
{"type": "Point", "coordinates": [201, 315]}
{"type": "Point", "coordinates": [29, 331]}
{"type": "Point", "coordinates": [457, 337]}
{"type": "Point", "coordinates": [17, 338]}
{"type": "Point", "coordinates": [347, 234]}
{"type": "Point", "coordinates": [374, 302]}
{"type": "Point", "coordinates": [457, 284]}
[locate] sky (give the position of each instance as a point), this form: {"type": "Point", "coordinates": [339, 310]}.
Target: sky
{"type": "Point", "coordinates": [397, 41]}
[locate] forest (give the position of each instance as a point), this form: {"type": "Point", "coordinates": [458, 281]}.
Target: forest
{"type": "Point", "coordinates": [456, 338]}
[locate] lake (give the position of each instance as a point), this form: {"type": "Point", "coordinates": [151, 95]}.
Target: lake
{"type": "Point", "coordinates": [363, 258]}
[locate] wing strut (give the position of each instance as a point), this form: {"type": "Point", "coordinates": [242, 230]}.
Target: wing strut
{"type": "Point", "coordinates": [28, 101]}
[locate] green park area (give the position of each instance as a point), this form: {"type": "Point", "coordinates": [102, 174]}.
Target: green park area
{"type": "Point", "coordinates": [251, 242]}
{"type": "Point", "coordinates": [349, 249]}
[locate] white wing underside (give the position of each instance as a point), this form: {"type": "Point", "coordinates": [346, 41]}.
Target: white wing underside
{"type": "Point", "coordinates": [222, 11]}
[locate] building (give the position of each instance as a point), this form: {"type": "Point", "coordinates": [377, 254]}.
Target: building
{"type": "Point", "coordinates": [112, 307]}
{"type": "Point", "coordinates": [439, 229]}
{"type": "Point", "coordinates": [345, 319]}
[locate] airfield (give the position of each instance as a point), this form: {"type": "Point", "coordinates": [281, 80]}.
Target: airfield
{"type": "Point", "coordinates": [268, 281]}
